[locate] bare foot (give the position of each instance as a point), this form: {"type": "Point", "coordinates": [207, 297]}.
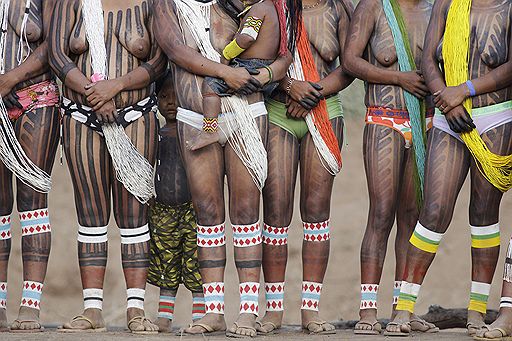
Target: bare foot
{"type": "Point", "coordinates": [91, 319]}
{"type": "Point", "coordinates": [270, 322]}
{"type": "Point", "coordinates": [202, 140]}
{"type": "Point", "coordinates": [4, 326]}
{"type": "Point", "coordinates": [313, 324]}
{"type": "Point", "coordinates": [475, 322]}
{"type": "Point", "coordinates": [164, 325]}
{"type": "Point", "coordinates": [500, 328]}
{"type": "Point", "coordinates": [245, 326]}
{"type": "Point", "coordinates": [400, 325]}
{"type": "Point", "coordinates": [368, 323]}
{"type": "Point", "coordinates": [28, 319]}
{"type": "Point", "coordinates": [210, 323]}
{"type": "Point", "coordinates": [138, 323]}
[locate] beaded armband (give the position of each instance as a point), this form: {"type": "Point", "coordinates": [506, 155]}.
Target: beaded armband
{"type": "Point", "coordinates": [210, 125]}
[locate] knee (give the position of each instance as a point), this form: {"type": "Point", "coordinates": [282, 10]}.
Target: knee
{"type": "Point", "coordinates": [381, 216]}
{"type": "Point", "coordinates": [314, 209]}
{"type": "Point", "coordinates": [483, 213]}
{"type": "Point", "coordinates": [436, 216]}
{"type": "Point", "coordinates": [245, 211]}
{"type": "Point", "coordinates": [209, 212]}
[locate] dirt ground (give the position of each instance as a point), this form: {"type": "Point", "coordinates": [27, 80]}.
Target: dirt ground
{"type": "Point", "coordinates": [447, 283]}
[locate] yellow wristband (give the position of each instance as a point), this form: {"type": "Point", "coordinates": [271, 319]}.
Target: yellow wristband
{"type": "Point", "coordinates": [232, 50]}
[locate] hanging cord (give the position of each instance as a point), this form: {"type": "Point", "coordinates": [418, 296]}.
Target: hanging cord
{"type": "Point", "coordinates": [12, 154]}
{"type": "Point", "coordinates": [132, 169]}
{"type": "Point", "coordinates": [24, 49]}
{"type": "Point", "coordinates": [242, 130]}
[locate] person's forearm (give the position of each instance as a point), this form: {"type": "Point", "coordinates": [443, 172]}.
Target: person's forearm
{"type": "Point", "coordinates": [360, 68]}
{"type": "Point", "coordinates": [432, 74]}
{"type": "Point", "coordinates": [144, 75]}
{"type": "Point", "coordinates": [497, 79]}
{"type": "Point", "coordinates": [335, 82]}
{"type": "Point", "coordinates": [35, 65]}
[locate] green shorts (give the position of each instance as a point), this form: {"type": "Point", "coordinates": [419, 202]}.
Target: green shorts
{"type": "Point", "coordinates": [298, 127]}
{"type": "Point", "coordinates": [173, 248]}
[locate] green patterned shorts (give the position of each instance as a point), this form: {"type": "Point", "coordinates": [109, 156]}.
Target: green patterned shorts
{"type": "Point", "coordinates": [173, 259]}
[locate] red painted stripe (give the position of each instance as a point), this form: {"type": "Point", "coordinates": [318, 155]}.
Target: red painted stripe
{"type": "Point", "coordinates": [163, 310]}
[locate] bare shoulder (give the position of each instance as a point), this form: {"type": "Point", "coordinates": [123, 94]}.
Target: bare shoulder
{"type": "Point", "coordinates": [368, 8]}
{"type": "Point", "coordinates": [262, 8]}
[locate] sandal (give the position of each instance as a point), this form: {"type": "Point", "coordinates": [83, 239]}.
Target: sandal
{"type": "Point", "coordinates": [473, 328]}
{"type": "Point", "coordinates": [398, 333]}
{"type": "Point", "coordinates": [504, 335]}
{"type": "Point", "coordinates": [71, 329]}
{"type": "Point", "coordinates": [376, 328]}
{"type": "Point", "coordinates": [19, 322]}
{"type": "Point", "coordinates": [239, 336]}
{"type": "Point", "coordinates": [140, 320]}
{"type": "Point", "coordinates": [321, 324]}
{"type": "Point", "coordinates": [208, 330]}
{"type": "Point", "coordinates": [261, 325]}
{"type": "Point", "coordinates": [420, 325]}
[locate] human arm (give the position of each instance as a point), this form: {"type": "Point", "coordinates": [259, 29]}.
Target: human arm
{"type": "Point", "coordinates": [170, 38]}
{"type": "Point", "coordinates": [360, 30]}
{"type": "Point", "coordinates": [497, 79]}
{"type": "Point", "coordinates": [61, 24]}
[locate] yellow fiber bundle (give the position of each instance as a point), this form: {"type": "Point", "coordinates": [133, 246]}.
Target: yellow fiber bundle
{"type": "Point", "coordinates": [496, 169]}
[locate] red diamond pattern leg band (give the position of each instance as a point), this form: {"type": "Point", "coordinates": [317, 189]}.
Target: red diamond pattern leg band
{"type": "Point", "coordinates": [316, 232]}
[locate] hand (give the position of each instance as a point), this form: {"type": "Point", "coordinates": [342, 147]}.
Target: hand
{"type": "Point", "coordinates": [263, 76]}
{"type": "Point", "coordinates": [6, 84]}
{"type": "Point", "coordinates": [413, 82]}
{"type": "Point", "coordinates": [11, 100]}
{"type": "Point", "coordinates": [99, 93]}
{"type": "Point", "coordinates": [450, 97]}
{"type": "Point", "coordinates": [241, 81]}
{"type": "Point", "coordinates": [459, 120]}
{"type": "Point", "coordinates": [107, 113]}
{"type": "Point", "coordinates": [296, 110]}
{"type": "Point", "coordinates": [306, 93]}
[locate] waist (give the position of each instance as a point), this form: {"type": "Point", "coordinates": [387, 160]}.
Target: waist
{"type": "Point", "coordinates": [334, 106]}
{"type": "Point", "coordinates": [488, 110]}
{"type": "Point", "coordinates": [394, 113]}
{"type": "Point", "coordinates": [40, 95]}
{"type": "Point", "coordinates": [257, 109]}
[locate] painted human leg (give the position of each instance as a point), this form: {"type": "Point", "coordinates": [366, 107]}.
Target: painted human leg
{"type": "Point", "coordinates": [205, 174]}
{"type": "Point", "coordinates": [6, 202]}
{"type": "Point", "coordinates": [38, 133]}
{"type": "Point", "coordinates": [132, 219]}
{"type": "Point", "coordinates": [483, 217]}
{"type": "Point", "coordinates": [447, 165]}
{"type": "Point", "coordinates": [244, 209]}
{"type": "Point", "coordinates": [384, 163]}
{"type": "Point", "coordinates": [315, 204]}
{"type": "Point", "coordinates": [211, 111]}
{"type": "Point", "coordinates": [89, 165]}
{"type": "Point", "coordinates": [283, 160]}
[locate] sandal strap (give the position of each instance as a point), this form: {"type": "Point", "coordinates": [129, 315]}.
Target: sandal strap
{"type": "Point", "coordinates": [206, 327]}
{"type": "Point", "coordinates": [138, 319]}
{"type": "Point", "coordinates": [244, 327]}
{"type": "Point", "coordinates": [83, 318]}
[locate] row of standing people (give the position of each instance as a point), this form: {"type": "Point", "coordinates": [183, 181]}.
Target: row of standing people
{"type": "Point", "coordinates": [138, 37]}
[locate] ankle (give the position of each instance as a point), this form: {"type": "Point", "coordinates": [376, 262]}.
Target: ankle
{"type": "Point", "coordinates": [366, 314]}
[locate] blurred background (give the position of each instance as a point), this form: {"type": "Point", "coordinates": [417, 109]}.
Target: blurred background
{"type": "Point", "coordinates": [447, 283]}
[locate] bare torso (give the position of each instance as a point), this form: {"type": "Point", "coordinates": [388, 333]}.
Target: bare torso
{"type": "Point", "coordinates": [381, 52]}
{"type": "Point", "coordinates": [489, 44]}
{"type": "Point", "coordinates": [34, 33]}
{"type": "Point", "coordinates": [129, 44]}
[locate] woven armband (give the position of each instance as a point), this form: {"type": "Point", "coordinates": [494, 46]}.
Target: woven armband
{"type": "Point", "coordinates": [232, 50]}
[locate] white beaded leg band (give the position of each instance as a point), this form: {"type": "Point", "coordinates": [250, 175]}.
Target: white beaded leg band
{"type": "Point", "coordinates": [35, 222]}
{"type": "Point", "coordinates": [211, 236]}
{"type": "Point", "coordinates": [311, 293]}
{"type": "Point", "coordinates": [246, 235]}
{"type": "Point", "coordinates": [31, 295]}
{"type": "Point", "coordinates": [249, 292]}
{"type": "Point", "coordinates": [5, 227]}
{"type": "Point", "coordinates": [396, 291]}
{"type": "Point", "coordinates": [275, 236]}
{"type": "Point", "coordinates": [274, 295]}
{"type": "Point", "coordinates": [506, 302]}
{"type": "Point", "coordinates": [135, 235]}
{"type": "Point", "coordinates": [135, 298]}
{"type": "Point", "coordinates": [214, 297]}
{"type": "Point", "coordinates": [92, 235]}
{"type": "Point", "coordinates": [369, 296]}
{"type": "Point", "coordinates": [93, 298]}
{"type": "Point", "coordinates": [316, 232]}
{"type": "Point", "coordinates": [3, 295]}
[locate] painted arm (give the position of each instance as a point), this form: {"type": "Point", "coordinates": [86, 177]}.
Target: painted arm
{"type": "Point", "coordinates": [169, 36]}
{"type": "Point", "coordinates": [63, 19]}
{"type": "Point", "coordinates": [447, 98]}
{"type": "Point", "coordinates": [360, 31]}
{"type": "Point", "coordinates": [99, 93]}
{"type": "Point", "coordinates": [35, 65]}
{"type": "Point", "coordinates": [339, 79]}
